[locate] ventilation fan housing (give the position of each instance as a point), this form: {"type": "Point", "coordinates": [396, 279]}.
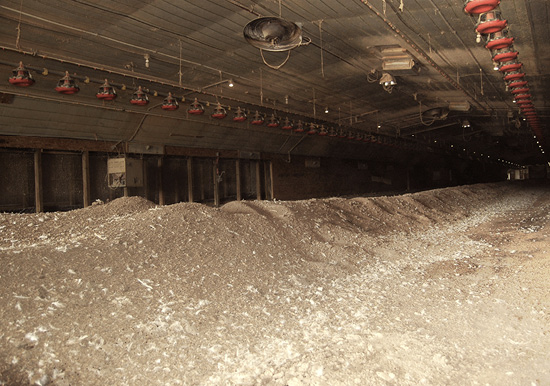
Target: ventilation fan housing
{"type": "Point", "coordinates": [273, 34]}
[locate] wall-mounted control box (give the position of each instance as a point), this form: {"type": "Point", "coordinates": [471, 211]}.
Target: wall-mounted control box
{"type": "Point", "coordinates": [125, 172]}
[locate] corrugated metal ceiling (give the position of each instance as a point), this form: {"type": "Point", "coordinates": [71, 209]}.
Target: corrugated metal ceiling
{"type": "Point", "coordinates": [193, 45]}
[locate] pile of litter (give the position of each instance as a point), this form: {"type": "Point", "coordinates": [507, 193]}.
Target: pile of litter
{"type": "Point", "coordinates": [447, 286]}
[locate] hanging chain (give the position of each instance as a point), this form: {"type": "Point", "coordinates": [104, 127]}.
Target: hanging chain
{"type": "Point", "coordinates": [18, 28]}
{"type": "Point", "coordinates": [321, 40]}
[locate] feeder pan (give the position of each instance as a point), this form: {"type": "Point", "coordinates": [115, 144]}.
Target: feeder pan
{"type": "Point", "coordinates": [519, 90]}
{"type": "Point", "coordinates": [350, 135]}
{"type": "Point", "coordinates": [139, 98]}
{"type": "Point", "coordinates": [287, 125]}
{"type": "Point", "coordinates": [239, 116]}
{"type": "Point", "coordinates": [342, 133]}
{"type": "Point", "coordinates": [67, 85]}
{"type": "Point", "coordinates": [522, 96]}
{"type": "Point", "coordinates": [106, 92]}
{"type": "Point", "coordinates": [490, 22]}
{"type": "Point", "coordinates": [517, 83]}
{"type": "Point", "coordinates": [332, 132]}
{"type": "Point", "coordinates": [524, 101]}
{"type": "Point", "coordinates": [299, 128]}
{"type": "Point", "coordinates": [312, 129]}
{"type": "Point", "coordinates": [219, 112]}
{"type": "Point", "coordinates": [323, 131]}
{"type": "Point", "coordinates": [498, 40]}
{"type": "Point", "coordinates": [475, 7]}
{"type": "Point", "coordinates": [258, 119]}
{"type": "Point", "coordinates": [514, 75]}
{"type": "Point", "coordinates": [195, 108]}
{"type": "Point", "coordinates": [273, 121]}
{"type": "Point", "coordinates": [170, 103]}
{"type": "Point", "coordinates": [21, 77]}
{"type": "Point", "coordinates": [359, 137]}
{"type": "Point", "coordinates": [512, 66]}
{"type": "Point", "coordinates": [273, 34]}
{"type": "Point", "coordinates": [504, 55]}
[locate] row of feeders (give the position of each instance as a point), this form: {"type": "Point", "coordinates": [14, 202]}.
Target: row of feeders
{"type": "Point", "coordinates": [505, 58]}
{"type": "Point", "coordinates": [22, 77]}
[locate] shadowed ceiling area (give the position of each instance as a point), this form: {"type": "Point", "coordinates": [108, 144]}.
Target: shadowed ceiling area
{"type": "Point", "coordinates": [448, 98]}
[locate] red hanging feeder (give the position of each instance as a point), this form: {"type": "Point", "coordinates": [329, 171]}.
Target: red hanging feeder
{"type": "Point", "coordinates": [139, 98]}
{"type": "Point", "coordinates": [312, 129]}
{"type": "Point", "coordinates": [522, 96]}
{"type": "Point", "coordinates": [359, 137]}
{"type": "Point", "coordinates": [239, 116]}
{"type": "Point", "coordinates": [490, 22]}
{"type": "Point", "coordinates": [299, 128]}
{"type": "Point", "coordinates": [323, 131]}
{"type": "Point", "coordinates": [350, 135]}
{"type": "Point", "coordinates": [332, 132]}
{"type": "Point", "coordinates": [67, 85]}
{"type": "Point", "coordinates": [106, 92]}
{"type": "Point", "coordinates": [258, 119]}
{"type": "Point", "coordinates": [475, 7]}
{"type": "Point", "coordinates": [498, 40]}
{"type": "Point", "coordinates": [342, 133]}
{"type": "Point", "coordinates": [195, 108]}
{"type": "Point", "coordinates": [287, 124]}
{"type": "Point", "coordinates": [504, 55]}
{"type": "Point", "coordinates": [516, 84]}
{"type": "Point", "coordinates": [520, 90]}
{"type": "Point", "coordinates": [523, 101]}
{"type": "Point", "coordinates": [513, 75]}
{"type": "Point", "coordinates": [21, 77]}
{"type": "Point", "coordinates": [511, 66]}
{"type": "Point", "coordinates": [219, 112]}
{"type": "Point", "coordinates": [273, 121]}
{"type": "Point", "coordinates": [170, 103]}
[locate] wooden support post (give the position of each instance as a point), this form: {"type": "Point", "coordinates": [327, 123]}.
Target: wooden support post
{"type": "Point", "coordinates": [38, 189]}
{"type": "Point", "coordinates": [190, 179]}
{"type": "Point", "coordinates": [86, 178]}
{"type": "Point", "coordinates": [216, 184]}
{"type": "Point", "coordinates": [258, 180]}
{"type": "Point", "coordinates": [159, 182]}
{"type": "Point", "coordinates": [201, 181]}
{"type": "Point", "coordinates": [271, 192]}
{"type": "Point", "coordinates": [238, 179]}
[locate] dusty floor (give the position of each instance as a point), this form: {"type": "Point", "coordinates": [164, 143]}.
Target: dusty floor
{"type": "Point", "coordinates": [444, 287]}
